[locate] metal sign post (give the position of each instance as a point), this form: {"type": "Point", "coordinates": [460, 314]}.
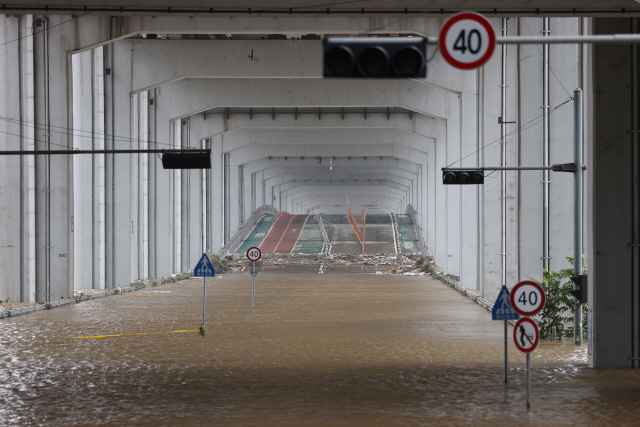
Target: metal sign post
{"type": "Point", "coordinates": [506, 355]}
{"type": "Point", "coordinates": [204, 296]}
{"type": "Point", "coordinates": [502, 310]}
{"type": "Point", "coordinates": [253, 254]}
{"type": "Point", "coordinates": [528, 380]}
{"type": "Point", "coordinates": [526, 336]}
{"type": "Point", "coordinates": [253, 267]}
{"type": "Point", "coordinates": [204, 269]}
{"type": "Point", "coordinates": [527, 298]}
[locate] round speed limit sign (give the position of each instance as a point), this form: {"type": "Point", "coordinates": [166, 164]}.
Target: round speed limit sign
{"type": "Point", "coordinates": [527, 298]}
{"type": "Point", "coordinates": [467, 40]}
{"type": "Point", "coordinates": [254, 254]}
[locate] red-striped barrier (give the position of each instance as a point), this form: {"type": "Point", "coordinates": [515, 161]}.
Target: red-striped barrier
{"type": "Point", "coordinates": [354, 224]}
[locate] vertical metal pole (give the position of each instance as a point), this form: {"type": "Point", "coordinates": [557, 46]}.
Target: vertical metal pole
{"type": "Point", "coordinates": [204, 296]}
{"type": "Point", "coordinates": [503, 156]}
{"type": "Point", "coordinates": [545, 150]}
{"type": "Point", "coordinates": [528, 380]}
{"type": "Point", "coordinates": [577, 211]}
{"type": "Point", "coordinates": [506, 361]}
{"type": "Point", "coordinates": [253, 286]}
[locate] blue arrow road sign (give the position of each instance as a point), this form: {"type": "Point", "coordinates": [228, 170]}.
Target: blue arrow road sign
{"type": "Point", "coordinates": [502, 309]}
{"type": "Point", "coordinates": [205, 269]}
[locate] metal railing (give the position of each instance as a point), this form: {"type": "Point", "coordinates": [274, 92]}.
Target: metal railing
{"type": "Point", "coordinates": [246, 228]}
{"type": "Point", "coordinates": [416, 226]}
{"type": "Point", "coordinates": [326, 246]}
{"type": "Point", "coordinates": [396, 233]}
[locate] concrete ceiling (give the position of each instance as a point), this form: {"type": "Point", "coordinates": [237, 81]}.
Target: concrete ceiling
{"type": "Point", "coordinates": [515, 7]}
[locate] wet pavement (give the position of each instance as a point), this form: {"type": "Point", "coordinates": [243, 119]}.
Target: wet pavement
{"type": "Point", "coordinates": [378, 236]}
{"type": "Point", "coordinates": [341, 235]}
{"type": "Point", "coordinates": [339, 350]}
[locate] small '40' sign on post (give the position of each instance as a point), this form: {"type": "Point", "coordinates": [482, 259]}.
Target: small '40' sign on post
{"type": "Point", "coordinates": [527, 298]}
{"type": "Point", "coordinates": [467, 40]}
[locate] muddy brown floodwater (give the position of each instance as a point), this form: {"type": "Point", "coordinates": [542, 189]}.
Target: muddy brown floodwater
{"type": "Point", "coordinates": [338, 350]}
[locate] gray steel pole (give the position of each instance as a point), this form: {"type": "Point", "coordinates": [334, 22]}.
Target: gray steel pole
{"type": "Point", "coordinates": [577, 211]}
{"type": "Point", "coordinates": [546, 159]}
{"type": "Point", "coordinates": [503, 156]}
{"type": "Point", "coordinates": [506, 362]}
{"type": "Point", "coordinates": [604, 38]}
{"type": "Point", "coordinates": [204, 296]}
{"type": "Point", "coordinates": [528, 380]}
{"type": "Point", "coordinates": [253, 286]}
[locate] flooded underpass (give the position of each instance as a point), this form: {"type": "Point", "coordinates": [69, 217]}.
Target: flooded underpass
{"type": "Point", "coordinates": [345, 350]}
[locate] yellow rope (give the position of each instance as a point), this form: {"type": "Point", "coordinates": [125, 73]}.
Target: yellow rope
{"type": "Point", "coordinates": [140, 333]}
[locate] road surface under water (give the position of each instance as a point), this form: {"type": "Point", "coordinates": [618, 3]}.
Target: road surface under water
{"type": "Point", "coordinates": [339, 350]}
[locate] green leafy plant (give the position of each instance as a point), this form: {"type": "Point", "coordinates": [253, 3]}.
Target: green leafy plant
{"type": "Point", "coordinates": [558, 308]}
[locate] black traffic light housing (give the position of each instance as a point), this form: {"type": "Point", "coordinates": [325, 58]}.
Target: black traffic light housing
{"type": "Point", "coordinates": [186, 160]}
{"type": "Point", "coordinates": [580, 294]}
{"type": "Point", "coordinates": [471, 176]}
{"type": "Point", "coordinates": [375, 57]}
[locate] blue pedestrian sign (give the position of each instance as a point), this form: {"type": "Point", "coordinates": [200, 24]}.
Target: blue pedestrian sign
{"type": "Point", "coordinates": [502, 309]}
{"type": "Point", "coordinates": [204, 268]}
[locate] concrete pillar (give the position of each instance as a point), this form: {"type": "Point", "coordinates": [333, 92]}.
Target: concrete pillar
{"type": "Point", "coordinates": [612, 170]}
{"type": "Point", "coordinates": [54, 174]}
{"type": "Point", "coordinates": [17, 173]}
{"type": "Point", "coordinates": [156, 192]}
{"type": "Point", "coordinates": [491, 234]}
{"type": "Point", "coordinates": [119, 224]}
{"type": "Point", "coordinates": [134, 188]}
{"type": "Point", "coordinates": [175, 224]}
{"type": "Point", "coordinates": [83, 188]}
{"type": "Point", "coordinates": [143, 182]}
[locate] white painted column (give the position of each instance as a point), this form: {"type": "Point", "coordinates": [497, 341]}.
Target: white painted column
{"type": "Point", "coordinates": [83, 178]}
{"type": "Point", "coordinates": [217, 200]}
{"type": "Point", "coordinates": [120, 229]}
{"type": "Point", "coordinates": [176, 224]}
{"type": "Point", "coordinates": [100, 211]}
{"type": "Point", "coordinates": [143, 207]}
{"type": "Point", "coordinates": [28, 284]}
{"type": "Point", "coordinates": [135, 185]}
{"type": "Point", "coordinates": [17, 245]}
{"type": "Point", "coordinates": [54, 174]}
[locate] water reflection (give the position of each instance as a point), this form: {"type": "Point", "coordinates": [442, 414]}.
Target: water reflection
{"type": "Point", "coordinates": [318, 350]}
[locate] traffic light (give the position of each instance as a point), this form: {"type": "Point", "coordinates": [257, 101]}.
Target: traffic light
{"type": "Point", "coordinates": [375, 57]}
{"type": "Point", "coordinates": [186, 160]}
{"type": "Point", "coordinates": [463, 177]}
{"type": "Point", "coordinates": [580, 294]}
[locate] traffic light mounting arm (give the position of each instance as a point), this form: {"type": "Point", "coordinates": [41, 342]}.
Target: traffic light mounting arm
{"type": "Point", "coordinates": [563, 167]}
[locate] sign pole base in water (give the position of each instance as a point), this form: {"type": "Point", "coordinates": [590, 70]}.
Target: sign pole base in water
{"type": "Point", "coordinates": [502, 310]}
{"type": "Point", "coordinates": [204, 299]}
{"type": "Point", "coordinates": [528, 381]}
{"type": "Point", "coordinates": [204, 269]}
{"type": "Point", "coordinates": [253, 267]}
{"type": "Point", "coordinates": [506, 360]}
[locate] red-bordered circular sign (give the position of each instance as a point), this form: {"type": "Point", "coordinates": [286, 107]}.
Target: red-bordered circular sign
{"type": "Point", "coordinates": [254, 254]}
{"type": "Point", "coordinates": [526, 335]}
{"type": "Point", "coordinates": [527, 298]}
{"type": "Point", "coordinates": [467, 40]}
